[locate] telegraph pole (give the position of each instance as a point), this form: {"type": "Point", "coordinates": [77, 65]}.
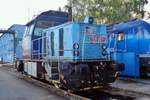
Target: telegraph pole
{"type": "Point", "coordinates": [69, 8]}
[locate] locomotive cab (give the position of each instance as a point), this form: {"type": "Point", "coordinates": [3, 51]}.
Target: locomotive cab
{"type": "Point", "coordinates": [33, 38]}
{"type": "Point", "coordinates": [131, 43]}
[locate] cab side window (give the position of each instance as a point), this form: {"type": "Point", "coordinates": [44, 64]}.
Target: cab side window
{"type": "Point", "coordinates": [146, 34]}
{"type": "Point", "coordinates": [120, 36]}
{"type": "Point", "coordinates": [140, 32]}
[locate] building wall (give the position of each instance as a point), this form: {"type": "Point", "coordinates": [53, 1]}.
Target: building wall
{"type": "Point", "coordinates": [7, 44]}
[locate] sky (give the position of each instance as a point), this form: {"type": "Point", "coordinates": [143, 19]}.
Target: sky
{"type": "Point", "coordinates": [147, 7]}
{"type": "Point", "coordinates": [22, 11]}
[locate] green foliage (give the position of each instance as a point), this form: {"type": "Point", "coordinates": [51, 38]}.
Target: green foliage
{"type": "Point", "coordinates": [107, 11]}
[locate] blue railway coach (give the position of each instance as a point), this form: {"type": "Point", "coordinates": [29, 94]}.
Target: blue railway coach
{"type": "Point", "coordinates": [130, 44]}
{"type": "Point", "coordinates": [7, 44]}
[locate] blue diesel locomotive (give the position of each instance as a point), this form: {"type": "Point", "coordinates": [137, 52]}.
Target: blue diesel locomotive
{"type": "Point", "coordinates": [130, 44]}
{"type": "Point", "coordinates": [72, 55]}
{"type": "Point", "coordinates": [77, 57]}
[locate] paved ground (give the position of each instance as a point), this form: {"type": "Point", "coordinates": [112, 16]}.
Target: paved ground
{"type": "Point", "coordinates": [12, 88]}
{"type": "Point", "coordinates": [136, 85]}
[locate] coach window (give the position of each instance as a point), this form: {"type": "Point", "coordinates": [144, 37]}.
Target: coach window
{"type": "Point", "coordinates": [61, 42]}
{"type": "Point", "coordinates": [52, 43]}
{"type": "Point", "coordinates": [120, 36]}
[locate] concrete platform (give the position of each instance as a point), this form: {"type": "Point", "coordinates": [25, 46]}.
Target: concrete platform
{"type": "Point", "coordinates": [13, 88]}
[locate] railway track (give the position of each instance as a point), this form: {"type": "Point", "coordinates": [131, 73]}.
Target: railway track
{"type": "Point", "coordinates": [109, 93]}
{"type": "Point", "coordinates": [96, 94]}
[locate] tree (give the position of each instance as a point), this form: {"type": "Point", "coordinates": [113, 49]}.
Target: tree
{"type": "Point", "coordinates": [107, 11]}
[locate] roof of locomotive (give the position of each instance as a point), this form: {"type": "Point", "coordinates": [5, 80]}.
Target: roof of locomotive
{"type": "Point", "coordinates": [45, 14]}
{"type": "Point", "coordinates": [130, 24]}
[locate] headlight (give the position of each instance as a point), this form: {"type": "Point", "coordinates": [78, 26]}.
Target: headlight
{"type": "Point", "coordinates": [75, 46]}
{"type": "Point", "coordinates": [104, 53]}
{"type": "Point", "coordinates": [104, 47]}
{"type": "Point", "coordinates": [76, 53]}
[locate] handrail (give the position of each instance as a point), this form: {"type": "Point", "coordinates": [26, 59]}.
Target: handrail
{"type": "Point", "coordinates": [39, 38]}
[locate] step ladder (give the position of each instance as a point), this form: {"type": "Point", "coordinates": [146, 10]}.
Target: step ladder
{"type": "Point", "coordinates": [54, 71]}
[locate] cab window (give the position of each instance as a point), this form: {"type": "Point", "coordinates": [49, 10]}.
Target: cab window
{"type": "Point", "coordinates": [120, 36]}
{"type": "Point", "coordinates": [42, 24]}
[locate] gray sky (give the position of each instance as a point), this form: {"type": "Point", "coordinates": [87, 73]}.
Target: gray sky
{"type": "Point", "coordinates": [147, 7]}
{"type": "Point", "coordinates": [20, 11]}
